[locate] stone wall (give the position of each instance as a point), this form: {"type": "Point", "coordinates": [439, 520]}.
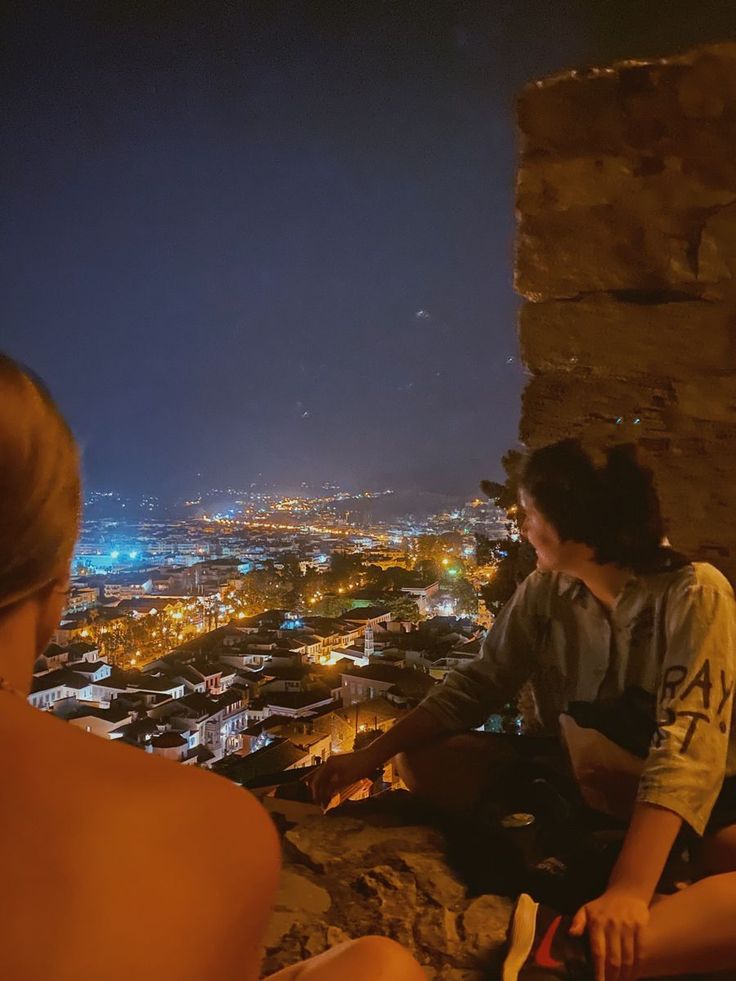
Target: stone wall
{"type": "Point", "coordinates": [372, 868]}
{"type": "Point", "coordinates": [626, 253]}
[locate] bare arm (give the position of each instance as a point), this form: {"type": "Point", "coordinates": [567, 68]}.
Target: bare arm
{"type": "Point", "coordinates": [416, 728]}
{"type": "Point", "coordinates": [648, 842]}
{"type": "Point", "coordinates": [615, 921]}
{"type": "Point", "coordinates": [469, 694]}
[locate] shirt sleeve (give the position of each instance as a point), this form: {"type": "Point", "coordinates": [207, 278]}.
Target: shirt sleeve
{"type": "Point", "coordinates": [686, 764]}
{"type": "Point", "coordinates": [470, 693]}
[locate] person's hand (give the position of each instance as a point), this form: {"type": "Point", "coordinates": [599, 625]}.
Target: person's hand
{"type": "Point", "coordinates": [339, 772]}
{"type": "Point", "coordinates": [614, 923]}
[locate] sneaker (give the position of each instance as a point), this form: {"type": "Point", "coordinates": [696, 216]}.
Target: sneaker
{"type": "Point", "coordinates": [540, 947]}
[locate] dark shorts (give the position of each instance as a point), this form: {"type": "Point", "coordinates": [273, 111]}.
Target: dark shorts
{"type": "Point", "coordinates": [547, 752]}
{"type": "Point", "coordinates": [724, 810]}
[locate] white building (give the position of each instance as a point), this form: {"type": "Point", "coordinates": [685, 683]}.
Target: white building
{"type": "Point", "coordinates": [423, 596]}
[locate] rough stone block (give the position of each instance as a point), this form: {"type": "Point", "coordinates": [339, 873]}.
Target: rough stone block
{"type": "Point", "coordinates": [713, 399]}
{"type": "Point", "coordinates": [592, 224]}
{"type": "Point", "coordinates": [627, 246]}
{"type": "Point", "coordinates": [621, 170]}
{"type": "Point", "coordinates": [367, 876]}
{"type": "Point", "coordinates": [575, 404]}
{"type": "Point", "coordinates": [717, 248]}
{"type": "Point", "coordinates": [607, 336]}
{"type": "Point", "coordinates": [643, 106]}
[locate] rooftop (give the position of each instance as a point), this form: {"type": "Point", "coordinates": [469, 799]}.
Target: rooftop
{"type": "Point", "coordinates": [277, 756]}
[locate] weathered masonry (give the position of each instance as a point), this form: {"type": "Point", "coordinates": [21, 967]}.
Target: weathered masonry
{"type": "Point", "coordinates": [626, 256]}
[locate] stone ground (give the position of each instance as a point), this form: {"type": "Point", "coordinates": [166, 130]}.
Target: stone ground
{"type": "Point", "coordinates": [377, 869]}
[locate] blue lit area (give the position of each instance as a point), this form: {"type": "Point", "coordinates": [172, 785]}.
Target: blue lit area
{"type": "Point", "coordinates": [292, 622]}
{"type": "Point", "coordinates": [118, 558]}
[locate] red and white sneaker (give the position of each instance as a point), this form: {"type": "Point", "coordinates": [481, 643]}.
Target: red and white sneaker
{"type": "Point", "coordinates": [541, 948]}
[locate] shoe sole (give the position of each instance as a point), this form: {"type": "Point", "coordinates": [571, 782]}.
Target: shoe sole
{"type": "Point", "coordinates": [521, 937]}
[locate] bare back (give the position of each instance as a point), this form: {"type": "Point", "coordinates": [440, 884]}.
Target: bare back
{"type": "Point", "coordinates": [109, 857]}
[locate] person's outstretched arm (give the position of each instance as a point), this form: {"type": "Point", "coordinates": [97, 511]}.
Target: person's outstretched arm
{"type": "Point", "coordinates": [464, 701]}
{"type": "Point", "coordinates": [417, 728]}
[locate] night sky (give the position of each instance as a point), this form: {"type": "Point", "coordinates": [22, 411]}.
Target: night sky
{"type": "Point", "coordinates": [275, 239]}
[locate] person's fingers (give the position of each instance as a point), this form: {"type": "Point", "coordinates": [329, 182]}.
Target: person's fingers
{"type": "Point", "coordinates": [638, 931]}
{"type": "Point", "coordinates": [598, 950]}
{"type": "Point", "coordinates": [628, 953]}
{"type": "Point", "coordinates": [613, 952]}
{"type": "Point", "coordinates": [578, 923]}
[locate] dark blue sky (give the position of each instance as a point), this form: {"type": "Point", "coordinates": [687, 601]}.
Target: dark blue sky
{"type": "Point", "coordinates": [271, 238]}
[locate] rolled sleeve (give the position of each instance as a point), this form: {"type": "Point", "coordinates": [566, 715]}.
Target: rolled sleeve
{"type": "Point", "coordinates": [686, 764]}
{"type": "Point", "coordinates": [470, 693]}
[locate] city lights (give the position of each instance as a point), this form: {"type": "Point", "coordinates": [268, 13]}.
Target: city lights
{"type": "Point", "coordinates": [195, 574]}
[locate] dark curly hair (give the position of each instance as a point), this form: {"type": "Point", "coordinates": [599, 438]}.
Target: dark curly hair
{"type": "Point", "coordinates": [613, 508]}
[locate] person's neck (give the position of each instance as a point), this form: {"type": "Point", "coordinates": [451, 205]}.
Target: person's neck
{"type": "Point", "coordinates": [18, 647]}
{"type": "Point", "coordinates": [605, 582]}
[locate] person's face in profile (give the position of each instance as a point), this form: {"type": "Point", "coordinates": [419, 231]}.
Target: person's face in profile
{"type": "Point", "coordinates": [540, 534]}
{"type": "Point", "coordinates": [553, 553]}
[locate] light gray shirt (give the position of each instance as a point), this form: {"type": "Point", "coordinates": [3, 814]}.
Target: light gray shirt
{"type": "Point", "coordinates": [672, 633]}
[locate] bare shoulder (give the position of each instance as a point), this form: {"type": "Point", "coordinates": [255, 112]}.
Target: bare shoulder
{"type": "Point", "coordinates": [145, 819]}
{"type": "Point", "coordinates": [137, 796]}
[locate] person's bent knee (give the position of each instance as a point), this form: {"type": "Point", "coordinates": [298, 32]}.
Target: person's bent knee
{"type": "Point", "coordinates": [450, 772]}
{"type": "Point", "coordinates": [418, 767]}
{"type": "Point", "coordinates": [405, 764]}
{"type": "Point", "coordinates": [388, 959]}
{"type": "Point", "coordinates": [419, 771]}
